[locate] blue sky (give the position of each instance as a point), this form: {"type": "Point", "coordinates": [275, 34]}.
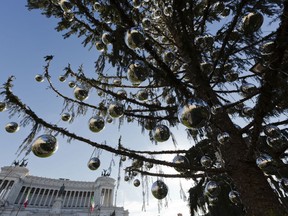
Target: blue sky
{"type": "Point", "coordinates": [26, 37]}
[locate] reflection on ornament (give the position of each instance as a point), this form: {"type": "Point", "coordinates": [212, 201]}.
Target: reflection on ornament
{"type": "Point", "coordinates": [69, 16]}
{"type": "Point", "coordinates": [2, 106]}
{"type": "Point", "coordinates": [252, 22]}
{"type": "Point", "coordinates": [97, 6]}
{"type": "Point", "coordinates": [168, 10]}
{"type": "Point", "coordinates": [96, 124]}
{"type": "Point", "coordinates": [123, 158]}
{"type": "Point", "coordinates": [231, 76]}
{"type": "Point", "coordinates": [44, 146]}
{"type": "Point", "coordinates": [134, 38]}
{"type": "Point", "coordinates": [149, 165]}
{"type": "Point", "coordinates": [194, 113]}
{"type": "Point", "coordinates": [94, 163]}
{"type": "Point", "coordinates": [122, 94]}
{"type": "Point", "coordinates": [266, 163]}
{"type": "Point", "coordinates": [71, 84]}
{"type": "Point", "coordinates": [137, 3]}
{"type": "Point", "coordinates": [107, 38]}
{"type": "Point", "coordinates": [161, 133]}
{"type": "Point", "coordinates": [168, 56]}
{"type": "Point", "coordinates": [234, 197]}
{"type": "Point", "coordinates": [137, 72]}
{"type": "Point", "coordinates": [223, 138]}
{"type": "Point", "coordinates": [142, 95]}
{"type": "Point", "coordinates": [117, 82]}
{"type": "Point", "coordinates": [100, 46]}
{"type": "Point", "coordinates": [116, 109]}
{"type": "Point", "coordinates": [80, 93]}
{"type": "Point", "coordinates": [247, 111]}
{"type": "Point", "coordinates": [156, 14]}
{"type": "Point", "coordinates": [248, 89]}
{"type": "Point", "coordinates": [146, 23]}
{"type": "Point", "coordinates": [268, 48]}
{"type": "Point", "coordinates": [136, 183]}
{"type": "Point", "coordinates": [39, 78]}
{"type": "Point", "coordinates": [278, 144]}
{"type": "Point", "coordinates": [65, 5]}
{"type": "Point", "coordinates": [126, 178]}
{"type": "Point", "coordinates": [159, 189]}
{"type": "Point", "coordinates": [109, 119]}
{"type": "Point", "coordinates": [272, 131]}
{"type": "Point", "coordinates": [12, 127]}
{"type": "Point", "coordinates": [66, 117]}
{"type": "Point", "coordinates": [181, 160]}
{"type": "Point", "coordinates": [216, 109]}
{"type": "Point", "coordinates": [206, 161]}
{"type": "Point", "coordinates": [212, 189]}
{"type": "Point", "coordinates": [137, 164]}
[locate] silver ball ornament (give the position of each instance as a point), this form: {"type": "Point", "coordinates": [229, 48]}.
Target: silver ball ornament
{"type": "Point", "coordinates": [159, 189]}
{"type": "Point", "coordinates": [2, 106]}
{"type": "Point", "coordinates": [142, 95]}
{"type": "Point", "coordinates": [136, 183]}
{"type": "Point", "coordinates": [66, 117]}
{"type": "Point", "coordinates": [96, 124]}
{"type": "Point", "coordinates": [137, 73]}
{"type": "Point", "coordinates": [272, 131]}
{"type": "Point", "coordinates": [223, 138]}
{"type": "Point", "coordinates": [234, 197]}
{"type": "Point", "coordinates": [94, 163]}
{"type": "Point", "coordinates": [12, 127]}
{"type": "Point", "coordinates": [80, 93]}
{"type": "Point", "coordinates": [39, 78]}
{"type": "Point", "coordinates": [181, 160]}
{"type": "Point", "coordinates": [206, 161]}
{"type": "Point", "coordinates": [161, 133]}
{"type": "Point", "coordinates": [71, 84]}
{"type": "Point", "coordinates": [62, 78]}
{"type": "Point", "coordinates": [107, 38]}
{"type": "Point", "coordinates": [252, 22]}
{"type": "Point", "coordinates": [212, 189]}
{"type": "Point", "coordinates": [266, 163]}
{"type": "Point", "coordinates": [45, 146]}
{"type": "Point", "coordinates": [278, 144]}
{"type": "Point", "coordinates": [116, 109]}
{"type": "Point", "coordinates": [134, 38]}
{"type": "Point", "coordinates": [195, 113]}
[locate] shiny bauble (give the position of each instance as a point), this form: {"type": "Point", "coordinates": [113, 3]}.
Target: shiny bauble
{"type": "Point", "coordinates": [284, 183]}
{"type": "Point", "coordinates": [12, 127]}
{"type": "Point", "coordinates": [234, 197]}
{"type": "Point", "coordinates": [142, 95]}
{"type": "Point", "coordinates": [272, 131]}
{"type": "Point", "coordinates": [126, 178]}
{"type": "Point", "coordinates": [212, 189]}
{"type": "Point", "coordinates": [109, 119]}
{"type": "Point", "coordinates": [66, 117]}
{"type": "Point", "coordinates": [117, 82]}
{"type": "Point", "coordinates": [134, 38]}
{"type": "Point", "coordinates": [137, 72]}
{"type": "Point", "coordinates": [268, 48]}
{"type": "Point", "coordinates": [65, 5]}
{"type": "Point", "coordinates": [39, 78]}
{"type": "Point", "coordinates": [266, 163]}
{"type": "Point", "coordinates": [97, 6]}
{"type": "Point", "coordinates": [71, 84]}
{"type": "Point", "coordinates": [181, 160]}
{"type": "Point", "coordinates": [161, 133]}
{"type": "Point", "coordinates": [116, 109]}
{"type": "Point", "coordinates": [2, 106]}
{"type": "Point", "coordinates": [94, 163]}
{"type": "Point", "coordinates": [248, 89]}
{"type": "Point", "coordinates": [44, 146]}
{"type": "Point", "coordinates": [247, 111]}
{"type": "Point", "coordinates": [137, 164]}
{"type": "Point", "coordinates": [278, 144]}
{"type": "Point", "coordinates": [223, 138]}
{"type": "Point", "coordinates": [195, 113]}
{"type": "Point", "coordinates": [80, 93]}
{"type": "Point", "coordinates": [206, 67]}
{"type": "Point", "coordinates": [231, 76]}
{"type": "Point", "coordinates": [206, 161]}
{"type": "Point", "coordinates": [107, 38]}
{"type": "Point", "coordinates": [218, 7]}
{"type": "Point", "coordinates": [123, 158]}
{"type": "Point", "coordinates": [100, 46]}
{"type": "Point", "coordinates": [252, 22]}
{"type": "Point", "coordinates": [146, 23]}
{"type": "Point", "coordinates": [168, 11]}
{"type": "Point", "coordinates": [136, 183]}
{"type": "Point", "coordinates": [216, 109]}
{"type": "Point", "coordinates": [149, 165]}
{"type": "Point", "coordinates": [122, 94]}
{"type": "Point", "coordinates": [149, 124]}
{"type": "Point", "coordinates": [156, 14]}
{"type": "Point", "coordinates": [159, 189]}
{"type": "Point", "coordinates": [225, 12]}
{"type": "Point", "coordinates": [137, 3]}
{"type": "Point", "coordinates": [96, 124]}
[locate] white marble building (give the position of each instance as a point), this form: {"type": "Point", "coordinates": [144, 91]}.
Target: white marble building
{"type": "Point", "coordinates": [46, 198]}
